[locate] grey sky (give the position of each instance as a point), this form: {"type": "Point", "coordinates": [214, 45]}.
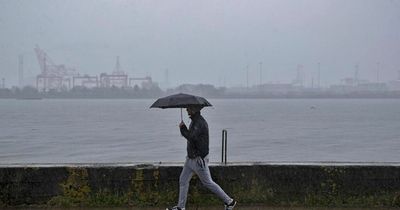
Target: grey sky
{"type": "Point", "coordinates": [205, 41]}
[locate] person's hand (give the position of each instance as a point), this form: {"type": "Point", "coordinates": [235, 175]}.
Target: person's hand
{"type": "Point", "coordinates": [182, 124]}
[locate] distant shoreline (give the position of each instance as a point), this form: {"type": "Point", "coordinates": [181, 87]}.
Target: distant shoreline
{"type": "Point", "coordinates": [207, 91]}
{"type": "Point", "coordinates": [228, 97]}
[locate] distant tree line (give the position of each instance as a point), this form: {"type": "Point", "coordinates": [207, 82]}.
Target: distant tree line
{"type": "Point", "coordinates": [204, 90]}
{"type": "Point", "coordinates": [113, 92]}
{"type": "Point", "coordinates": [83, 92]}
{"type": "Point", "coordinates": [200, 89]}
{"type": "Point", "coordinates": [102, 92]}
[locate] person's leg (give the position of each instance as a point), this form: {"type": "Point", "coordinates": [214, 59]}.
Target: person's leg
{"type": "Point", "coordinates": [203, 172]}
{"type": "Point", "coordinates": [184, 181]}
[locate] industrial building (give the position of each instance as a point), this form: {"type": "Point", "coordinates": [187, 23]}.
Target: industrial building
{"type": "Point", "coordinates": [60, 77]}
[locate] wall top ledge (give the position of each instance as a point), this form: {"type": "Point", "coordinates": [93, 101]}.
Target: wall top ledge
{"type": "Point", "coordinates": [179, 164]}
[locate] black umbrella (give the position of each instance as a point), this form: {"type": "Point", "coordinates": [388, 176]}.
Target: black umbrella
{"type": "Point", "coordinates": [180, 100]}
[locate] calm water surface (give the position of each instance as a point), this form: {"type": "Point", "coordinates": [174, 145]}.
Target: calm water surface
{"type": "Point", "coordinates": [88, 131]}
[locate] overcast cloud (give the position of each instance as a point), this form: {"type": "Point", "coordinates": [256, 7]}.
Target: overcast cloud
{"type": "Point", "coordinates": [205, 41]}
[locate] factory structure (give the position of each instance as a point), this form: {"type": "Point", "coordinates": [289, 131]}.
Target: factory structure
{"type": "Point", "coordinates": [60, 77]}
{"type": "Point", "coordinates": [55, 77]}
{"type": "Point", "coordinates": [301, 86]}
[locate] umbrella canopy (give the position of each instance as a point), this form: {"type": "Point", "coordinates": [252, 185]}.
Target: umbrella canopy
{"type": "Point", "coordinates": [180, 100]}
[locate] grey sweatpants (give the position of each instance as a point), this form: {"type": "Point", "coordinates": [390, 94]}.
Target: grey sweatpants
{"type": "Point", "coordinates": [200, 167]}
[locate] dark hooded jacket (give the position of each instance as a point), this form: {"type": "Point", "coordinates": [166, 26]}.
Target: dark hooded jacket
{"type": "Point", "coordinates": [197, 136]}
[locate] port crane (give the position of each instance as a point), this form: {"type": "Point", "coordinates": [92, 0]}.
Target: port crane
{"type": "Point", "coordinates": [52, 76]}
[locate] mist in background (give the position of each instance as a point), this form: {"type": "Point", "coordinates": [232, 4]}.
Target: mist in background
{"type": "Point", "coordinates": [209, 42]}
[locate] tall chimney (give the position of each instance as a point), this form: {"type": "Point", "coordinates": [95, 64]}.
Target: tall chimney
{"type": "Point", "coordinates": [21, 70]}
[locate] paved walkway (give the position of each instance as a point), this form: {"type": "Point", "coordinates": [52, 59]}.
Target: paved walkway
{"type": "Point", "coordinates": [204, 208]}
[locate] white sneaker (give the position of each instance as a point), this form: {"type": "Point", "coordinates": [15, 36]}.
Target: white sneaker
{"type": "Point", "coordinates": [231, 205]}
{"type": "Point", "coordinates": [175, 208]}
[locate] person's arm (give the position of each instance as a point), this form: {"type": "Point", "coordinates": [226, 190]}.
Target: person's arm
{"type": "Point", "coordinates": [191, 134]}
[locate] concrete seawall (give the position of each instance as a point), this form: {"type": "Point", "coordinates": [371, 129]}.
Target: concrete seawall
{"type": "Point", "coordinates": [294, 184]}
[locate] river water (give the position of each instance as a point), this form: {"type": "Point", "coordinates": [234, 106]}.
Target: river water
{"type": "Point", "coordinates": [107, 131]}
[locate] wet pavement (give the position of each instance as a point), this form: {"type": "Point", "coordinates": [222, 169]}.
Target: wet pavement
{"type": "Point", "coordinates": [203, 208]}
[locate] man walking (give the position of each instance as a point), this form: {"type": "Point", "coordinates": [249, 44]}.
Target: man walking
{"type": "Point", "coordinates": [197, 160]}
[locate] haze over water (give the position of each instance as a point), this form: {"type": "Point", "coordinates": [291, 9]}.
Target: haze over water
{"type": "Point", "coordinates": [106, 131]}
{"type": "Point", "coordinates": [209, 42]}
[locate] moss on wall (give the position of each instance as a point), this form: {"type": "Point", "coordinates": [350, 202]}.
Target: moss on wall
{"type": "Point", "coordinates": [75, 190]}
